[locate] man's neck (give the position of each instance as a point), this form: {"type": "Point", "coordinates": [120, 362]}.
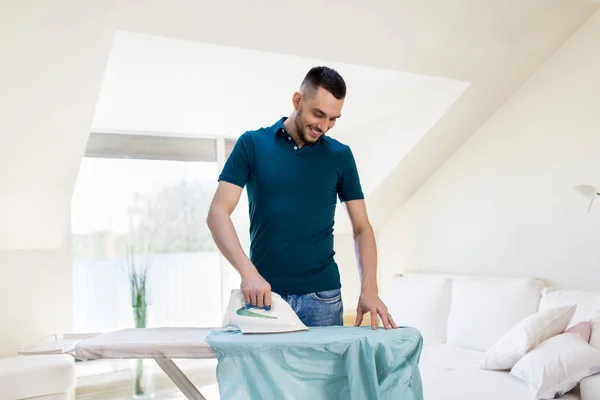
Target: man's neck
{"type": "Point", "coordinates": [290, 128]}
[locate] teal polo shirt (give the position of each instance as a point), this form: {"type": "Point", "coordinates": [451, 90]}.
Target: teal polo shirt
{"type": "Point", "coordinates": [292, 197]}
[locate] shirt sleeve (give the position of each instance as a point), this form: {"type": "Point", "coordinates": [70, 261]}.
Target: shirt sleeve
{"type": "Point", "coordinates": [349, 187]}
{"type": "Point", "coordinates": [238, 165]}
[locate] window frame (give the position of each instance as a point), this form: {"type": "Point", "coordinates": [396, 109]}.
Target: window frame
{"type": "Point", "coordinates": [168, 146]}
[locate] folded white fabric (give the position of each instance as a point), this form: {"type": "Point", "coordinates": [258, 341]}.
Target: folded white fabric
{"type": "Point", "coordinates": [525, 335]}
{"type": "Point", "coordinates": [557, 365]}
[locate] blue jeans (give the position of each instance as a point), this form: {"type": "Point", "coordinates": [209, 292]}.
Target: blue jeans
{"type": "Point", "coordinates": [319, 308]}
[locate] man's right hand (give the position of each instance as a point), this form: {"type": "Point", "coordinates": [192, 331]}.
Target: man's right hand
{"type": "Point", "coordinates": [256, 290]}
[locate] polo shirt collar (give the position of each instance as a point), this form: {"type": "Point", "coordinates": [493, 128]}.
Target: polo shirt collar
{"type": "Point", "coordinates": [279, 129]}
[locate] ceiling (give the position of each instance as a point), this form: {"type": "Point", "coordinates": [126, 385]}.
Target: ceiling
{"type": "Point", "coordinates": [452, 39]}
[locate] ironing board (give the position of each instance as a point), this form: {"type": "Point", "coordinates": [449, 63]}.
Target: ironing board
{"type": "Point", "coordinates": [161, 344]}
{"type": "Point", "coordinates": [164, 344]}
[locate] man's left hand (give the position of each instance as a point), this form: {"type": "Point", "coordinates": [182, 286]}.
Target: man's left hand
{"type": "Point", "coordinates": [369, 302]}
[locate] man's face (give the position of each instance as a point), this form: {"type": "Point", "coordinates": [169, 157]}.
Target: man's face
{"type": "Point", "coordinates": [316, 114]}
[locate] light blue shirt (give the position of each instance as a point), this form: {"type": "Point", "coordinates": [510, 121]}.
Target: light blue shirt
{"type": "Point", "coordinates": [324, 363]}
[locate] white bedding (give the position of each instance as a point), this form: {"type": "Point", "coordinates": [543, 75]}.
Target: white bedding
{"type": "Point", "coordinates": [172, 343]}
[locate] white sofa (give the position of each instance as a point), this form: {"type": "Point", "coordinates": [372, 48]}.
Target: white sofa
{"type": "Point", "coordinates": [462, 316]}
{"type": "Point", "coordinates": [39, 377]}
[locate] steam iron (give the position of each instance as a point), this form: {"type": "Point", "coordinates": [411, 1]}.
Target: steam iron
{"type": "Point", "coordinates": [279, 318]}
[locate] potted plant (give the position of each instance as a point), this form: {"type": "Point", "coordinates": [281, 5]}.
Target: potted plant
{"type": "Point", "coordinates": [138, 278]}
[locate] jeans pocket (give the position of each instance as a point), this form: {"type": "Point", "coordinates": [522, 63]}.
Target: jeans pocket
{"type": "Point", "coordinates": [328, 296]}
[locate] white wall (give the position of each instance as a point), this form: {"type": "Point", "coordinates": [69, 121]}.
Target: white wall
{"type": "Point", "coordinates": [504, 204]}
{"type": "Point", "coordinates": [35, 296]}
{"type": "Point", "coordinates": [50, 74]}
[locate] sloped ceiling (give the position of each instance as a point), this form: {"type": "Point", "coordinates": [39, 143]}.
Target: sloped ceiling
{"type": "Point", "coordinates": [492, 45]}
{"type": "Point", "coordinates": [188, 88]}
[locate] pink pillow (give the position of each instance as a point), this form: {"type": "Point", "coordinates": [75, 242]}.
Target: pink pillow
{"type": "Point", "coordinates": [583, 328]}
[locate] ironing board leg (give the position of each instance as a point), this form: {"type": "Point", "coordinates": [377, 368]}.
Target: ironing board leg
{"type": "Point", "coordinates": [179, 379]}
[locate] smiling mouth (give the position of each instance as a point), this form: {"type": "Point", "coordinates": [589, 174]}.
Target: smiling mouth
{"type": "Point", "coordinates": [314, 133]}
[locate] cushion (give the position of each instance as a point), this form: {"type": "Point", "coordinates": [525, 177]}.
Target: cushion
{"type": "Point", "coordinates": [588, 302]}
{"type": "Point", "coordinates": [485, 308]}
{"type": "Point", "coordinates": [583, 329]}
{"type": "Point", "coordinates": [446, 357]}
{"type": "Point", "coordinates": [590, 387]}
{"type": "Point", "coordinates": [525, 335]}
{"type": "Point", "coordinates": [476, 384]}
{"type": "Point", "coordinates": [37, 375]}
{"type": "Point", "coordinates": [421, 301]}
{"type": "Point", "coordinates": [557, 365]}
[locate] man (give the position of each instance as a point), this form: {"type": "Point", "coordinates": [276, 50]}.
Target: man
{"type": "Point", "coordinates": [294, 174]}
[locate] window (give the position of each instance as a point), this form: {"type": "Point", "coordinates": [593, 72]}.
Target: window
{"type": "Point", "coordinates": [142, 200]}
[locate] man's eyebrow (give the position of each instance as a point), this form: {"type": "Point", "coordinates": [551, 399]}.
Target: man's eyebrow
{"type": "Point", "coordinates": [321, 112]}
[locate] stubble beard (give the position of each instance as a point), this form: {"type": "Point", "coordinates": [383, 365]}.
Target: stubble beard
{"type": "Point", "coordinates": [300, 129]}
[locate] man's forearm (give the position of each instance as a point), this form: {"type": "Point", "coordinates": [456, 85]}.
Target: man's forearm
{"type": "Point", "coordinates": [366, 254]}
{"type": "Point", "coordinates": [224, 234]}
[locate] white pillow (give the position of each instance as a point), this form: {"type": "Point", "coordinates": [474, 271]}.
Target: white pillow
{"type": "Point", "coordinates": [421, 301]}
{"type": "Point", "coordinates": [557, 365]}
{"type": "Point", "coordinates": [525, 335]}
{"type": "Point", "coordinates": [485, 308]}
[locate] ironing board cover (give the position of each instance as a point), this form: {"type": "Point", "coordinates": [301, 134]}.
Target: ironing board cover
{"type": "Point", "coordinates": [355, 363]}
{"type": "Point", "coordinates": [164, 342]}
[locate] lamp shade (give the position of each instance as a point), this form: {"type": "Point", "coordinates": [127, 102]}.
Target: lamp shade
{"type": "Point", "coordinates": [588, 191]}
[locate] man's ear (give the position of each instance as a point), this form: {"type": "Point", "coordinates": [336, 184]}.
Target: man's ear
{"type": "Point", "coordinates": [296, 99]}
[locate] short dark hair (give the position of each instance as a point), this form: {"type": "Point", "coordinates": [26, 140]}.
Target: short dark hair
{"type": "Point", "coordinates": [328, 79]}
